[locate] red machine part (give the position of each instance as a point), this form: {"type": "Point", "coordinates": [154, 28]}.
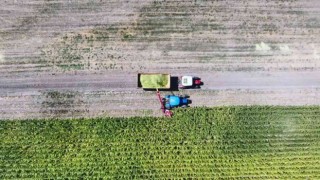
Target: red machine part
{"type": "Point", "coordinates": [197, 81]}
{"type": "Point", "coordinates": [168, 113]}
{"type": "Point", "coordinates": [165, 111]}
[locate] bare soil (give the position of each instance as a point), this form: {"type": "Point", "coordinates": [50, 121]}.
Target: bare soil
{"type": "Point", "coordinates": [80, 59]}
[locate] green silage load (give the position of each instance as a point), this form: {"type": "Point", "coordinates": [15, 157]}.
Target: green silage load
{"type": "Point", "coordinates": [154, 80]}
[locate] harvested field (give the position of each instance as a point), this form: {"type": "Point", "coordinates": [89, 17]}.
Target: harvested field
{"type": "Point", "coordinates": [80, 59]}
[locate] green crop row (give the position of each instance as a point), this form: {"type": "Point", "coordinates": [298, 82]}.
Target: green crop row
{"type": "Point", "coordinates": [241, 142]}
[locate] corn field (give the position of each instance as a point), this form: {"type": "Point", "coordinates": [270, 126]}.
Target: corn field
{"type": "Point", "coordinates": [240, 142]}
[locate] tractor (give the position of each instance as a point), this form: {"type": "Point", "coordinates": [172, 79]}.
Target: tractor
{"type": "Point", "coordinates": [172, 101]}
{"type": "Point", "coordinates": [190, 82]}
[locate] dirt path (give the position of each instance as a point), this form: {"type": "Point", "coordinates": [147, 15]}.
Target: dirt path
{"type": "Point", "coordinates": [71, 59]}
{"type": "Point", "coordinates": [116, 94]}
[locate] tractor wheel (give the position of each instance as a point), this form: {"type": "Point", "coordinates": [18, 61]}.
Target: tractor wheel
{"type": "Point", "coordinates": [186, 96]}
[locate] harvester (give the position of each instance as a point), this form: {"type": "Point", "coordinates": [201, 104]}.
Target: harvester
{"type": "Point", "coordinates": [158, 82]}
{"type": "Point", "coordinates": [172, 101]}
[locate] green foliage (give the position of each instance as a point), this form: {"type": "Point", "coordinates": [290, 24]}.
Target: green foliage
{"type": "Point", "coordinates": [154, 80]}
{"type": "Point", "coordinates": [71, 66]}
{"type": "Point", "coordinates": [243, 142]}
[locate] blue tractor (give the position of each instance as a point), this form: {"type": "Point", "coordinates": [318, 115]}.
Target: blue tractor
{"type": "Point", "coordinates": [172, 101]}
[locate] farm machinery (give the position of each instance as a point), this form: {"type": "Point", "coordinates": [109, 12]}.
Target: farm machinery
{"type": "Point", "coordinates": [172, 101]}
{"type": "Point", "coordinates": [152, 81]}
{"type": "Point", "coordinates": [165, 82]}
{"type": "Point", "coordinates": [190, 82]}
